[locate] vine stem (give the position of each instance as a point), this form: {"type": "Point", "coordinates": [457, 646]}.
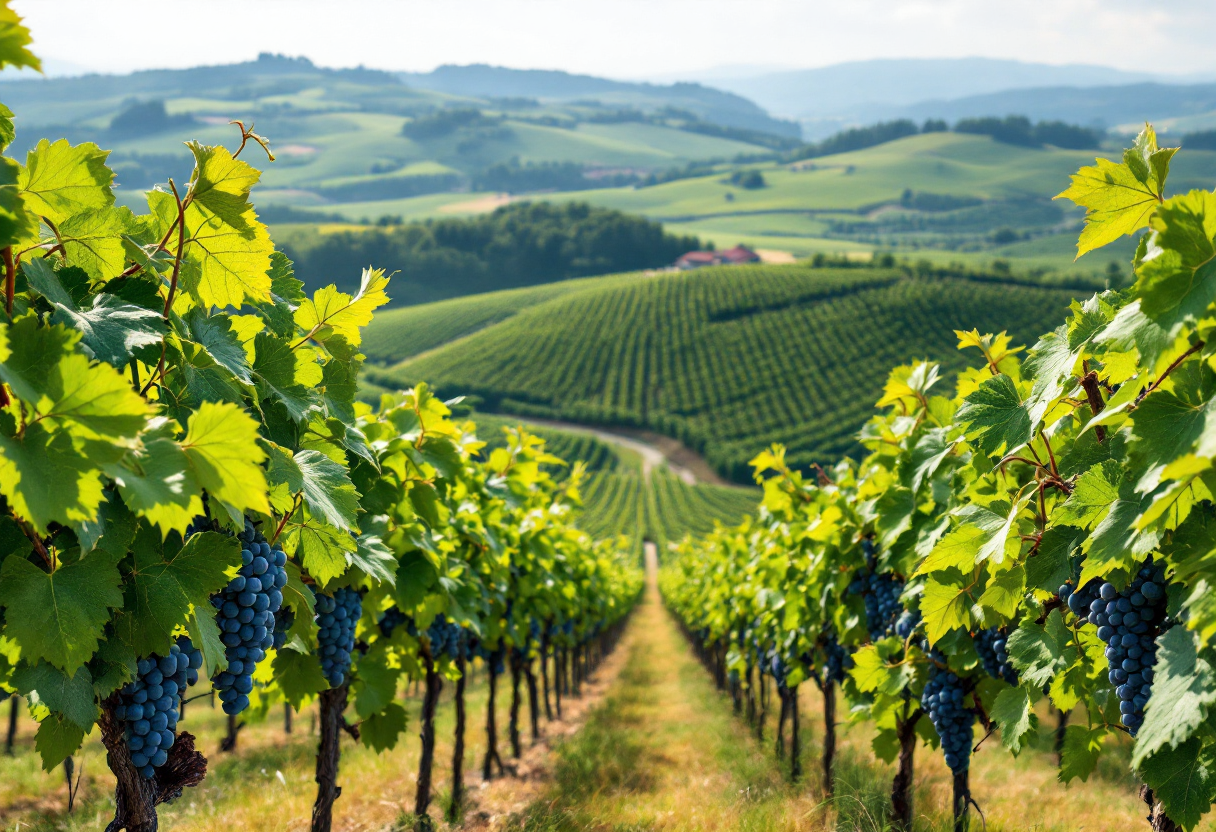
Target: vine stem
{"type": "Point", "coordinates": [1196, 347]}
{"type": "Point", "coordinates": [10, 280]}
{"type": "Point", "coordinates": [181, 245]}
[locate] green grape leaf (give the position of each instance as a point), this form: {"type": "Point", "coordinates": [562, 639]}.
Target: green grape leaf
{"type": "Point", "coordinates": [1180, 779]}
{"type": "Point", "coordinates": [321, 548]}
{"type": "Point", "coordinates": [47, 478]}
{"type": "Point", "coordinates": [166, 579]}
{"type": "Point", "coordinates": [156, 482]}
{"type": "Point", "coordinates": [298, 676]}
{"type": "Point", "coordinates": [14, 38]}
{"type": "Point", "coordinates": [222, 184]}
{"type": "Point", "coordinates": [1167, 426]}
{"type": "Point", "coordinates": [927, 456]}
{"type": "Point", "coordinates": [225, 457]}
{"type": "Point", "coordinates": [1051, 565]}
{"type": "Point", "coordinates": [375, 684]}
{"type": "Point", "coordinates": [205, 636]}
{"type": "Point", "coordinates": [1176, 276]}
{"type": "Point", "coordinates": [214, 334]}
{"type": "Point", "coordinates": [381, 730]}
{"type": "Point", "coordinates": [342, 314]}
{"type": "Point", "coordinates": [1093, 494]}
{"type": "Point", "coordinates": [871, 672]}
{"type": "Point", "coordinates": [374, 559]}
{"type": "Point", "coordinates": [1115, 541]}
{"type": "Point", "coordinates": [1119, 198]}
{"type": "Point", "coordinates": [1012, 711]}
{"type": "Point", "coordinates": [1051, 365]}
{"type": "Point", "coordinates": [1184, 686]}
{"type": "Point", "coordinates": [59, 180]}
{"type": "Point", "coordinates": [286, 294]}
{"type": "Point", "coordinates": [895, 509]}
{"type": "Point", "coordinates": [277, 368]}
{"type": "Point", "coordinates": [113, 330]}
{"type": "Point", "coordinates": [57, 739]}
{"type": "Point", "coordinates": [1040, 651]}
{"type": "Point", "coordinates": [299, 599]}
{"type": "Point", "coordinates": [112, 531]}
{"type": "Point", "coordinates": [995, 416]}
{"type": "Point", "coordinates": [1079, 755]}
{"type": "Point", "coordinates": [16, 222]}
{"type": "Point", "coordinates": [59, 616]}
{"type": "Point", "coordinates": [326, 486]}
{"type": "Point", "coordinates": [92, 240]}
{"type": "Point", "coordinates": [1004, 592]}
{"type": "Point", "coordinates": [945, 604]}
{"type": "Point", "coordinates": [416, 574]}
{"type": "Point", "coordinates": [71, 695]}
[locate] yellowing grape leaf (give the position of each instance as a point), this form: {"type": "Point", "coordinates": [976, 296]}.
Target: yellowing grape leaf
{"type": "Point", "coordinates": [343, 314]}
{"type": "Point", "coordinates": [14, 38]}
{"type": "Point", "coordinates": [225, 457]}
{"type": "Point", "coordinates": [60, 180]}
{"type": "Point", "coordinates": [1119, 198]}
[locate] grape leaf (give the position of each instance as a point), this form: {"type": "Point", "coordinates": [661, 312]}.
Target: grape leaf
{"type": "Point", "coordinates": [92, 240]}
{"type": "Point", "coordinates": [895, 509]}
{"type": "Point", "coordinates": [1168, 424]}
{"type": "Point", "coordinates": [286, 294]}
{"type": "Point", "coordinates": [995, 416]}
{"type": "Point", "coordinates": [215, 335]}
{"type": "Point", "coordinates": [14, 38]}
{"type": "Point", "coordinates": [945, 604]}
{"type": "Point", "coordinates": [1012, 711]}
{"type": "Point", "coordinates": [298, 675]}
{"type": "Point", "coordinates": [326, 487]}
{"type": "Point", "coordinates": [205, 635]}
{"type": "Point", "coordinates": [321, 548]}
{"type": "Point", "coordinates": [57, 739]}
{"type": "Point", "coordinates": [71, 695]}
{"type": "Point", "coordinates": [1004, 592]}
{"type": "Point", "coordinates": [276, 367]}
{"type": "Point", "coordinates": [1176, 276]}
{"type": "Point", "coordinates": [340, 312]}
{"type": "Point", "coordinates": [113, 330]}
{"type": "Point", "coordinates": [222, 184]}
{"type": "Point", "coordinates": [60, 180]}
{"type": "Point", "coordinates": [1119, 198]}
{"type": "Point", "coordinates": [1093, 494]}
{"type": "Point", "coordinates": [59, 616]}
{"type": "Point", "coordinates": [927, 455]}
{"type": "Point", "coordinates": [156, 482]}
{"type": "Point", "coordinates": [1183, 689]}
{"type": "Point", "coordinates": [1079, 755]}
{"type": "Point", "coordinates": [416, 574]}
{"type": "Point", "coordinates": [112, 531]}
{"type": "Point", "coordinates": [1039, 651]}
{"type": "Point", "coordinates": [871, 672]}
{"type": "Point", "coordinates": [47, 478]}
{"type": "Point", "coordinates": [374, 559]}
{"type": "Point", "coordinates": [375, 684]}
{"type": "Point", "coordinates": [1051, 565]}
{"type": "Point", "coordinates": [299, 599]}
{"type": "Point", "coordinates": [381, 730]}
{"type": "Point", "coordinates": [166, 578]}
{"type": "Point", "coordinates": [222, 446]}
{"type": "Point", "coordinates": [1180, 779]}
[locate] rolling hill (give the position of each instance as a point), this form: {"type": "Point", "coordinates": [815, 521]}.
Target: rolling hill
{"type": "Point", "coordinates": [726, 360]}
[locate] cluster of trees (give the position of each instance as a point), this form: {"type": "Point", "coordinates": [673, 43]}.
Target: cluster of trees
{"type": "Point", "coordinates": [516, 245]}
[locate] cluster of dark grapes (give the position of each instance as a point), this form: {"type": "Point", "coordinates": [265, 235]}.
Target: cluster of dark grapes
{"type": "Point", "coordinates": [1079, 600]}
{"type": "Point", "coordinates": [990, 644]}
{"type": "Point", "coordinates": [447, 638]}
{"type": "Point", "coordinates": [881, 592]}
{"type": "Point", "coordinates": [246, 616]}
{"type": "Point", "coordinates": [1129, 622]}
{"type": "Point", "coordinates": [839, 660]}
{"type": "Point", "coordinates": [391, 620]}
{"type": "Point", "coordinates": [337, 615]}
{"type": "Point", "coordinates": [776, 668]}
{"type": "Point", "coordinates": [283, 621]}
{"type": "Point", "coordinates": [149, 705]}
{"type": "Point", "coordinates": [943, 700]}
{"type": "Point", "coordinates": [908, 621]}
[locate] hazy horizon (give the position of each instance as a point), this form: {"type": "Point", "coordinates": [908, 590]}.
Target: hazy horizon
{"type": "Point", "coordinates": [625, 39]}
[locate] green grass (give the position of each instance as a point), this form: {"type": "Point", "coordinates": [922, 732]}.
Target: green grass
{"type": "Point", "coordinates": [727, 360]}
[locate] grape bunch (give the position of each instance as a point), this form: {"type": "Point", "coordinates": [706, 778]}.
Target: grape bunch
{"type": "Point", "coordinates": [1079, 600]}
{"type": "Point", "coordinates": [337, 615]}
{"type": "Point", "coordinates": [391, 620]}
{"type": "Point", "coordinates": [149, 705]}
{"type": "Point", "coordinates": [943, 700]}
{"type": "Point", "coordinates": [839, 660]}
{"type": "Point", "coordinates": [446, 637]}
{"type": "Point", "coordinates": [880, 592]}
{"type": "Point", "coordinates": [283, 621]}
{"type": "Point", "coordinates": [1129, 622]}
{"type": "Point", "coordinates": [990, 644]}
{"type": "Point", "coordinates": [908, 621]}
{"type": "Point", "coordinates": [776, 668]}
{"type": "Point", "coordinates": [246, 616]}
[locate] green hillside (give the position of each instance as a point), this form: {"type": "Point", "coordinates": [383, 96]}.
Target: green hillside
{"type": "Point", "coordinates": [727, 360]}
{"type": "Point", "coordinates": [618, 498]}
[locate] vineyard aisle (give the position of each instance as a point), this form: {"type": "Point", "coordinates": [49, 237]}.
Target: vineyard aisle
{"type": "Point", "coordinates": [664, 751]}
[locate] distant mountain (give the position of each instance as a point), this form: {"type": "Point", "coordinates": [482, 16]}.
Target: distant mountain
{"type": "Point", "coordinates": [859, 92]}
{"type": "Point", "coordinates": [553, 86]}
{"type": "Point", "coordinates": [1107, 106]}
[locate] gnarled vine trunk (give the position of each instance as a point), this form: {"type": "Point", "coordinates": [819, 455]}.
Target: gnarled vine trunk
{"type": "Point", "coordinates": [513, 730]}
{"type": "Point", "coordinates": [487, 767]}
{"type": "Point", "coordinates": [430, 698]}
{"type": "Point", "coordinates": [1157, 819]}
{"type": "Point", "coordinates": [457, 799]}
{"type": "Point", "coordinates": [136, 798]}
{"type": "Point", "coordinates": [901, 787]}
{"type": "Point", "coordinates": [533, 700]}
{"type": "Point", "coordinates": [795, 739]}
{"type": "Point", "coordinates": [329, 753]}
{"type": "Point", "coordinates": [962, 800]}
{"type": "Point", "coordinates": [829, 738]}
{"type": "Point", "coordinates": [544, 675]}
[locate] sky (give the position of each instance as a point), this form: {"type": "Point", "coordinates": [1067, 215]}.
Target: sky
{"type": "Point", "coordinates": [655, 39]}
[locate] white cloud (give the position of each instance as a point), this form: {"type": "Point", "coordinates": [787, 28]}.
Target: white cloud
{"type": "Point", "coordinates": [622, 38]}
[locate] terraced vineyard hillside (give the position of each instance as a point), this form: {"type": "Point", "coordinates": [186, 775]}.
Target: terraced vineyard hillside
{"type": "Point", "coordinates": [727, 360]}
{"type": "Point", "coordinates": [619, 497]}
